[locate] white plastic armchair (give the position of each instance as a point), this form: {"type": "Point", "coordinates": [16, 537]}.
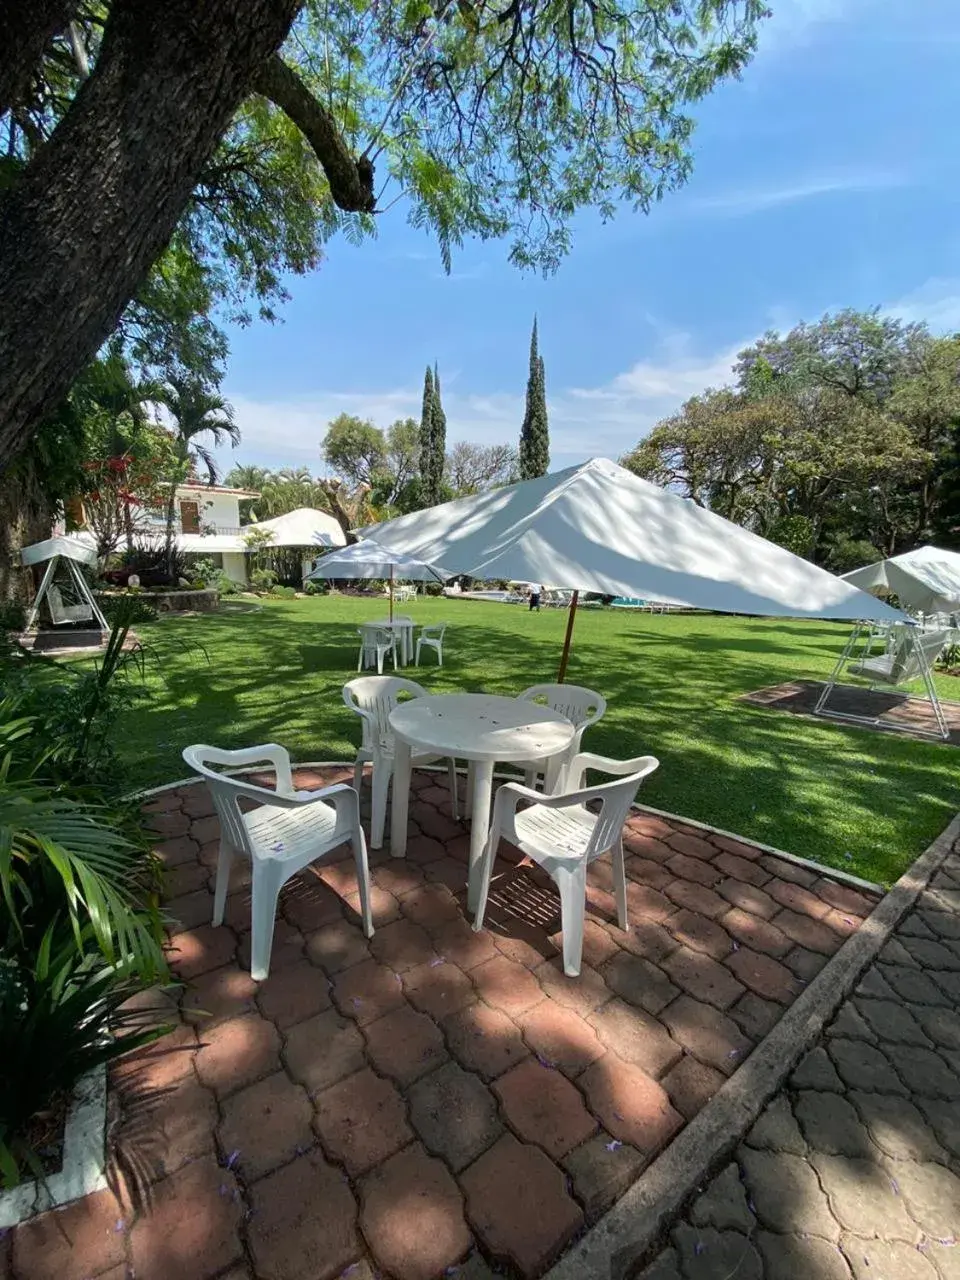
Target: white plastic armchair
{"type": "Point", "coordinates": [373, 698]}
{"type": "Point", "coordinates": [582, 707]}
{"type": "Point", "coordinates": [562, 835]}
{"type": "Point", "coordinates": [375, 644]}
{"type": "Point", "coordinates": [287, 831]}
{"type": "Point", "coordinates": [432, 637]}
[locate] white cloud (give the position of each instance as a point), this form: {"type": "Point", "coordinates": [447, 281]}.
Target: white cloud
{"type": "Point", "coordinates": [937, 302]}
{"type": "Point", "coordinates": [607, 419]}
{"type": "Point", "coordinates": [741, 203]}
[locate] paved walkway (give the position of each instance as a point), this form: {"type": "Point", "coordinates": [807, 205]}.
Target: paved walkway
{"type": "Point", "coordinates": [852, 1170]}
{"type": "Point", "coordinates": [433, 1102]}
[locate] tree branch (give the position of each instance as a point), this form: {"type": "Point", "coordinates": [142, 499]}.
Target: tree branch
{"type": "Point", "coordinates": [351, 181]}
{"type": "Point", "coordinates": [26, 28]}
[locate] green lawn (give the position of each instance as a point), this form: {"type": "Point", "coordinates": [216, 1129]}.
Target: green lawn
{"type": "Point", "coordinates": [850, 797]}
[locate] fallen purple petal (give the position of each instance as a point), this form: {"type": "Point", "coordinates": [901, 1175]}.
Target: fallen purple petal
{"type": "Point", "coordinates": [437, 960]}
{"type": "Point", "coordinates": [736, 946]}
{"type": "Point", "coordinates": [231, 1159]}
{"type": "Point", "coordinates": [949, 1242]}
{"type": "Point", "coordinates": [224, 1190]}
{"type": "Point", "coordinates": [120, 1225]}
{"type": "Point", "coordinates": [895, 1186]}
{"type": "Point", "coordinates": [698, 1248]}
{"type": "Point", "coordinates": [615, 1145]}
{"type": "Point", "coordinates": [545, 1062]}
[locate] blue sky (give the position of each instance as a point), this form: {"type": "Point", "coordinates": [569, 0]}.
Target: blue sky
{"type": "Point", "coordinates": [829, 176]}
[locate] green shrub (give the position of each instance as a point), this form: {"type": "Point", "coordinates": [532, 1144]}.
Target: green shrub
{"type": "Point", "coordinates": [225, 585]}
{"type": "Point", "coordinates": [133, 606]}
{"type": "Point", "coordinates": [288, 593]}
{"type": "Point", "coordinates": [314, 588]}
{"type": "Point", "coordinates": [262, 579]}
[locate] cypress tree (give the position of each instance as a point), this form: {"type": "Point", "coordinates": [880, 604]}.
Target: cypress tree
{"type": "Point", "coordinates": [438, 442]}
{"type": "Point", "coordinates": [426, 439]}
{"type": "Point", "coordinates": [535, 432]}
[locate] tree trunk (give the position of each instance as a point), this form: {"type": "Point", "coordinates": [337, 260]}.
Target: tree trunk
{"type": "Point", "coordinates": [26, 28]}
{"type": "Point", "coordinates": [98, 203]}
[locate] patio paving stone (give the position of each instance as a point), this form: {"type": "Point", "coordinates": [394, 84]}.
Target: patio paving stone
{"type": "Point", "coordinates": [434, 1100]}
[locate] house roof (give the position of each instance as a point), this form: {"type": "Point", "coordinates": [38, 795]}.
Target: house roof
{"type": "Point", "coordinates": [217, 488]}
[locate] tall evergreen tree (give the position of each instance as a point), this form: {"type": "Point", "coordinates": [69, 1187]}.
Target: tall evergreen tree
{"type": "Point", "coordinates": [426, 438]}
{"type": "Point", "coordinates": [535, 432]}
{"type": "Point", "coordinates": [438, 441]}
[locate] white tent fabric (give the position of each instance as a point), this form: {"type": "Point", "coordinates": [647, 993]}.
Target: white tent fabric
{"type": "Point", "coordinates": [598, 527]}
{"type": "Point", "coordinates": [78, 547]}
{"type": "Point", "coordinates": [926, 580]}
{"type": "Point", "coordinates": [305, 527]}
{"type": "Point", "coordinates": [368, 559]}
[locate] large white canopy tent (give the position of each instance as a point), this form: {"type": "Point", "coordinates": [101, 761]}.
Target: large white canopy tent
{"type": "Point", "coordinates": [65, 589]}
{"type": "Point", "coordinates": [926, 580]}
{"type": "Point", "coordinates": [598, 527]}
{"type": "Point", "coordinates": [304, 527]}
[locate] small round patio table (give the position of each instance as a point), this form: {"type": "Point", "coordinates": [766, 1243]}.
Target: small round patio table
{"type": "Point", "coordinates": [482, 729]}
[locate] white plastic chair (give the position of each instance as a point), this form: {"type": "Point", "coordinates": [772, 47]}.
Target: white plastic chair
{"type": "Point", "coordinates": [907, 658]}
{"type": "Point", "coordinates": [286, 832]}
{"type": "Point", "coordinates": [432, 637]}
{"type": "Point", "coordinates": [582, 707]}
{"type": "Point", "coordinates": [375, 644]}
{"type": "Point", "coordinates": [373, 698]}
{"type": "Point", "coordinates": [563, 836]}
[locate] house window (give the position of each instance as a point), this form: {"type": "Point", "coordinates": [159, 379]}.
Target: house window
{"type": "Point", "coordinates": [190, 517]}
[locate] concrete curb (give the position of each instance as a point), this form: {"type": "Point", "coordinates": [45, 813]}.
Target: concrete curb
{"type": "Point", "coordinates": [625, 1236]}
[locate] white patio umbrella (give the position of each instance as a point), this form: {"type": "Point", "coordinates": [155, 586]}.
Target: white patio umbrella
{"type": "Point", "coordinates": [598, 527]}
{"type": "Point", "coordinates": [926, 579]}
{"type": "Point", "coordinates": [366, 559]}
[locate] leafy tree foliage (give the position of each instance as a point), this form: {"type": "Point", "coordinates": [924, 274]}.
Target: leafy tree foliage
{"type": "Point", "coordinates": [535, 432]}
{"type": "Point", "coordinates": [472, 468]}
{"type": "Point", "coordinates": [229, 166]}
{"type": "Point", "coordinates": [836, 440]}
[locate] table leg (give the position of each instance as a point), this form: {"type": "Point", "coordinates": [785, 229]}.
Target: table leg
{"type": "Point", "coordinates": [401, 799]}
{"type": "Point", "coordinates": [480, 825]}
{"type": "Point", "coordinates": [471, 777]}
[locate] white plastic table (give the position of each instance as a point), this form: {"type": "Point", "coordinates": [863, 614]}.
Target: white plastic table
{"type": "Point", "coordinates": [404, 630]}
{"type": "Point", "coordinates": [482, 729]}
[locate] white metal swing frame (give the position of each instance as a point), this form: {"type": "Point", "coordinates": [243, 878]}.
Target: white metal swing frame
{"type": "Point", "coordinates": [82, 586]}
{"type": "Point", "coordinates": [913, 635]}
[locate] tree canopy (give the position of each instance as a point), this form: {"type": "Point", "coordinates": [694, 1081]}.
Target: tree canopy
{"type": "Point", "coordinates": [838, 438]}
{"type": "Point", "coordinates": [198, 166]}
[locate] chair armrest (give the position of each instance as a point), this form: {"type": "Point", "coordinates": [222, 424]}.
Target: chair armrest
{"type": "Point", "coordinates": [585, 760]}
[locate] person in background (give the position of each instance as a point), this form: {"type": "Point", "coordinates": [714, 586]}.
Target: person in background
{"type": "Point", "coordinates": [535, 592]}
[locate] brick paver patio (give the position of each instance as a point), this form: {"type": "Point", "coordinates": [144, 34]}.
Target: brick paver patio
{"type": "Point", "coordinates": [851, 1171]}
{"type": "Point", "coordinates": [434, 1101]}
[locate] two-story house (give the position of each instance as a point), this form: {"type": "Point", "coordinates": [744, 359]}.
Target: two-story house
{"type": "Point", "coordinates": [207, 523]}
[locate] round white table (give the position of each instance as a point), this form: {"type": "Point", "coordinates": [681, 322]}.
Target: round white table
{"type": "Point", "coordinates": [404, 631]}
{"type": "Point", "coordinates": [482, 729]}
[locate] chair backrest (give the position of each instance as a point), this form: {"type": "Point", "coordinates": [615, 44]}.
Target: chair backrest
{"type": "Point", "coordinates": [373, 636]}
{"type": "Point", "coordinates": [373, 698]}
{"type": "Point", "coordinates": [434, 631]}
{"type": "Point", "coordinates": [62, 612]}
{"type": "Point", "coordinates": [581, 706]}
{"type": "Point", "coordinates": [615, 797]}
{"type": "Point", "coordinates": [226, 791]}
{"type": "Point", "coordinates": [907, 663]}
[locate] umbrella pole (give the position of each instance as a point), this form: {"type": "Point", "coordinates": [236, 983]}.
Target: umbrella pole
{"type": "Point", "coordinates": [391, 593]}
{"type": "Point", "coordinates": [565, 656]}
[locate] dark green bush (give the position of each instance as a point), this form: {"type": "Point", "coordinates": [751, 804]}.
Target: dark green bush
{"type": "Point", "coordinates": [13, 616]}
{"type": "Point", "coordinates": [288, 593]}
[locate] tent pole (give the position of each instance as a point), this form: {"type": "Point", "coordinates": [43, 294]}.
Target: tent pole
{"type": "Point", "coordinates": [391, 593]}
{"type": "Point", "coordinates": [565, 656]}
{"type": "Point", "coordinates": [84, 588]}
{"type": "Point", "coordinates": [835, 674]}
{"type": "Point", "coordinates": [930, 687]}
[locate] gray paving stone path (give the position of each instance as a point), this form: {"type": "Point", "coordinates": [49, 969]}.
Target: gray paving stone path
{"type": "Point", "coordinates": [852, 1172]}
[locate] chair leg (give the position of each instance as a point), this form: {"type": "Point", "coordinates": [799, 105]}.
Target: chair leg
{"type": "Point", "coordinates": [573, 900]}
{"type": "Point", "coordinates": [224, 863]}
{"type": "Point", "coordinates": [381, 786]}
{"type": "Point", "coordinates": [416, 660]}
{"type": "Point", "coordinates": [439, 655]}
{"type": "Point", "coordinates": [363, 880]}
{"type": "Point", "coordinates": [267, 879]}
{"type": "Point", "coordinates": [454, 796]}
{"type": "Point", "coordinates": [530, 779]}
{"type": "Point", "coordinates": [620, 885]}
